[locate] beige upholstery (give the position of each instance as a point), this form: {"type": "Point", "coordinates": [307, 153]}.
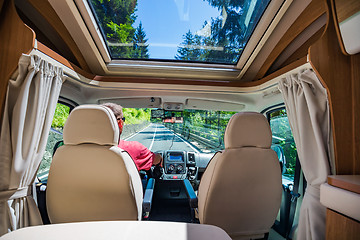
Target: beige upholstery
{"type": "Point", "coordinates": [91, 124]}
{"type": "Point", "coordinates": [90, 178]}
{"type": "Point", "coordinates": [115, 230]}
{"type": "Point", "coordinates": [248, 129]}
{"type": "Point", "coordinates": [240, 191]}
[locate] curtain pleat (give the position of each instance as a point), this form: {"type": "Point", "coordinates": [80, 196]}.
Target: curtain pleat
{"type": "Point", "coordinates": [308, 111]}
{"type": "Point", "coordinates": [30, 104]}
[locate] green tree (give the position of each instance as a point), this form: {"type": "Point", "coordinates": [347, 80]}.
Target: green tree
{"type": "Point", "coordinates": [60, 116]}
{"type": "Point", "coordinates": [140, 49]}
{"type": "Point", "coordinates": [136, 115]}
{"type": "Point", "coordinates": [229, 32]}
{"type": "Point", "coordinates": [116, 18]}
{"type": "Point", "coordinates": [190, 48]}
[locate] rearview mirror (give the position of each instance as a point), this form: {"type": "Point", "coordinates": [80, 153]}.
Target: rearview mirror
{"type": "Point", "coordinates": [167, 116]}
{"type": "Point", "coordinates": [173, 120]}
{"type": "Point", "coordinates": [173, 117]}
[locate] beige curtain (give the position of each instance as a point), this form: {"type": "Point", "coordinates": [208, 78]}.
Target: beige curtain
{"type": "Point", "coordinates": [307, 107]}
{"type": "Point", "coordinates": [30, 103]}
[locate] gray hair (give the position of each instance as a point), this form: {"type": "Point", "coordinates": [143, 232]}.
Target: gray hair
{"type": "Point", "coordinates": [116, 108]}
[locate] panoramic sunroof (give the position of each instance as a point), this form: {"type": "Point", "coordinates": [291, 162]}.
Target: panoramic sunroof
{"type": "Point", "coordinates": [207, 31]}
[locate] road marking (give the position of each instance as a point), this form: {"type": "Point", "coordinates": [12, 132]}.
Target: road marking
{"type": "Point", "coordinates": [137, 132]}
{"type": "Point", "coordinates": [152, 142]}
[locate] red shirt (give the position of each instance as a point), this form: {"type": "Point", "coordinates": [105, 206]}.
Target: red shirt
{"type": "Point", "coordinates": [141, 155]}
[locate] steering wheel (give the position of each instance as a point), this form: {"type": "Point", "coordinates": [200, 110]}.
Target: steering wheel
{"type": "Point", "coordinates": [155, 172]}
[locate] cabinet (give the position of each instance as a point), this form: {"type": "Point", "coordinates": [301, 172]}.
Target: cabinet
{"type": "Point", "coordinates": [341, 196]}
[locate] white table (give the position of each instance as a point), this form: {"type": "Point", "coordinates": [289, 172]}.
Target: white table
{"type": "Point", "coordinates": [108, 230]}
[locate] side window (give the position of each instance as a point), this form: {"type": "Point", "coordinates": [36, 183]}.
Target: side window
{"type": "Point", "coordinates": [54, 140]}
{"type": "Point", "coordinates": [283, 143]}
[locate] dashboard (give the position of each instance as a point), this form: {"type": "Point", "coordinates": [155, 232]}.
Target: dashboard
{"type": "Point", "coordinates": [179, 165]}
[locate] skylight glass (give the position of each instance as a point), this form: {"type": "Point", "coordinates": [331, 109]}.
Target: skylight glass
{"type": "Point", "coordinates": [207, 31]}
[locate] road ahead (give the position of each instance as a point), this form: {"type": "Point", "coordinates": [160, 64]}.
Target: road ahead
{"type": "Point", "coordinates": [157, 137]}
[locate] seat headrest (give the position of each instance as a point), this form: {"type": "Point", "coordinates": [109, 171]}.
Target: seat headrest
{"type": "Point", "coordinates": [91, 124]}
{"type": "Point", "coordinates": [248, 129]}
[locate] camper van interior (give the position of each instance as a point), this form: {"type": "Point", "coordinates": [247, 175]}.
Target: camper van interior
{"type": "Point", "coordinates": [252, 107]}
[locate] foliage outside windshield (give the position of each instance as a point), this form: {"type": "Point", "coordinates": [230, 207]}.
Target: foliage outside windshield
{"type": "Point", "coordinates": [213, 31]}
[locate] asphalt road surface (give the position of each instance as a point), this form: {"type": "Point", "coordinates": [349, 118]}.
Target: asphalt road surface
{"type": "Point", "coordinates": [157, 137]}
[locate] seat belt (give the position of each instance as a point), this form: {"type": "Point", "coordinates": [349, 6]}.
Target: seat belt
{"type": "Point", "coordinates": [294, 196]}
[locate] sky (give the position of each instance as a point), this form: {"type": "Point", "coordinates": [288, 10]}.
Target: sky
{"type": "Point", "coordinates": [166, 21]}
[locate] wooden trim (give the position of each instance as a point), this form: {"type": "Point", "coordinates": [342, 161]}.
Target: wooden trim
{"type": "Point", "coordinates": [45, 9]}
{"type": "Point", "coordinates": [16, 39]}
{"type": "Point", "coordinates": [340, 77]}
{"type": "Point", "coordinates": [346, 8]}
{"type": "Point", "coordinates": [154, 80]}
{"type": "Point", "coordinates": [355, 83]}
{"type": "Point", "coordinates": [339, 226]}
{"type": "Point", "coordinates": [347, 182]}
{"type": "Point", "coordinates": [44, 49]}
{"type": "Point", "coordinates": [277, 73]}
{"type": "Point", "coordinates": [337, 27]}
{"type": "Point", "coordinates": [311, 13]}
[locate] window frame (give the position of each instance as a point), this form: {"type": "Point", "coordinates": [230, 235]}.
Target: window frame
{"type": "Point", "coordinates": [267, 23]}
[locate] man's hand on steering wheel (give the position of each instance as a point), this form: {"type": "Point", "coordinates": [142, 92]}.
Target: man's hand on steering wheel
{"type": "Point", "coordinates": [158, 159]}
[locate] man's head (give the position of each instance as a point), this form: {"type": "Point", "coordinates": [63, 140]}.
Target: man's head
{"type": "Point", "coordinates": [117, 110]}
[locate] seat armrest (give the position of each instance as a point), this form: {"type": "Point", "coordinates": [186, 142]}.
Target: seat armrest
{"type": "Point", "coordinates": [149, 191]}
{"type": "Point", "coordinates": [193, 200]}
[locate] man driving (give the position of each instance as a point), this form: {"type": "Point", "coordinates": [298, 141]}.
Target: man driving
{"type": "Point", "coordinates": [141, 155]}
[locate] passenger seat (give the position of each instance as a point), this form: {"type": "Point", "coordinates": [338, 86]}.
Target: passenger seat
{"type": "Point", "coordinates": [240, 190]}
{"type": "Point", "coordinates": [90, 178]}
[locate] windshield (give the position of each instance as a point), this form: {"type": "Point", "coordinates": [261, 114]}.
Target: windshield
{"type": "Point", "coordinates": [200, 131]}
{"type": "Point", "coordinates": [184, 30]}
{"type": "Point", "coordinates": [188, 130]}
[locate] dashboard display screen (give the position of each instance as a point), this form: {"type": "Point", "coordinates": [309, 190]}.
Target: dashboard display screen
{"type": "Point", "coordinates": [176, 158]}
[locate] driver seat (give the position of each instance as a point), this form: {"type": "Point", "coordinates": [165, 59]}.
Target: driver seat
{"type": "Point", "coordinates": [90, 178]}
{"type": "Point", "coordinates": [240, 190]}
